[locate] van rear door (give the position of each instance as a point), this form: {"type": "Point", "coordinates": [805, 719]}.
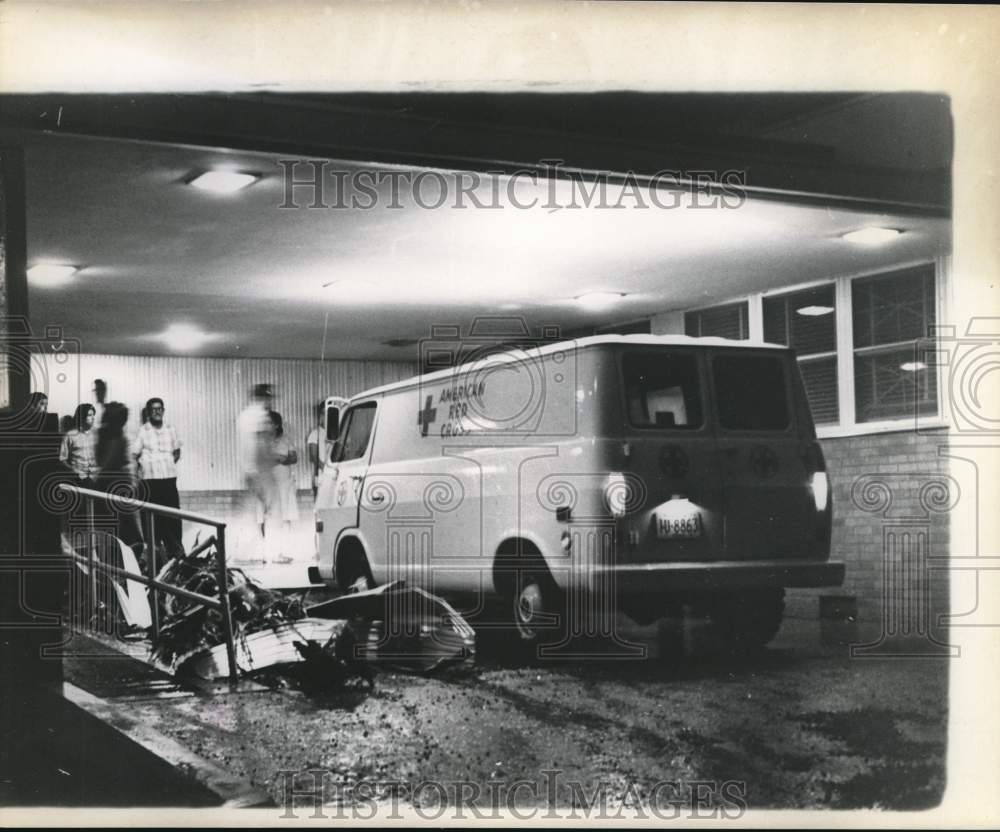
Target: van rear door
{"type": "Point", "coordinates": [350, 455]}
{"type": "Point", "coordinates": [672, 451]}
{"type": "Point", "coordinates": [764, 454]}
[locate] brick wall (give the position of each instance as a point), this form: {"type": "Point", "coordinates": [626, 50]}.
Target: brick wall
{"type": "Point", "coordinates": [890, 492]}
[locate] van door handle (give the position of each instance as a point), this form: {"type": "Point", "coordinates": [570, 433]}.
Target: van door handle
{"type": "Point", "coordinates": [376, 498]}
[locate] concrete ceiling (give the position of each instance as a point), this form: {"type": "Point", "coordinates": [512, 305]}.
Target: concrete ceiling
{"type": "Point", "coordinates": [268, 281]}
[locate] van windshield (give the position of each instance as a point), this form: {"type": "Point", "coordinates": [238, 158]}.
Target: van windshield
{"type": "Point", "coordinates": [750, 392]}
{"type": "Point", "coordinates": [662, 390]}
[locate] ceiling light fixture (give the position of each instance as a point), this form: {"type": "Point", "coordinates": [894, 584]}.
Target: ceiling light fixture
{"type": "Point", "coordinates": [599, 300]}
{"type": "Point", "coordinates": [51, 274]}
{"type": "Point", "coordinates": [185, 337]}
{"type": "Point", "coordinates": [814, 311]}
{"type": "Point", "coordinates": [872, 235]}
{"type": "Point", "coordinates": [913, 366]}
{"type": "Point", "coordinates": [223, 181]}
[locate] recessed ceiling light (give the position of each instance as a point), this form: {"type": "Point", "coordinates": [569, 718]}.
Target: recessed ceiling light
{"type": "Point", "coordinates": [913, 366]}
{"type": "Point", "coordinates": [872, 236]}
{"type": "Point", "coordinates": [814, 311]}
{"type": "Point", "coordinates": [223, 181]}
{"type": "Point", "coordinates": [51, 274]}
{"type": "Point", "coordinates": [599, 300]}
{"type": "Point", "coordinates": [185, 337]}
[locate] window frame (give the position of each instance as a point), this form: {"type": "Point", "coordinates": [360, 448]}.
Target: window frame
{"type": "Point", "coordinates": [336, 452]}
{"type": "Point", "coordinates": [749, 316]}
{"type": "Point", "coordinates": [847, 424]}
{"type": "Point", "coordinates": [813, 356]}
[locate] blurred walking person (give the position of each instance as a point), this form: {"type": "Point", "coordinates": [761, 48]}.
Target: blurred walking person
{"type": "Point", "coordinates": [115, 474]}
{"type": "Point", "coordinates": [287, 505]}
{"type": "Point", "coordinates": [255, 433]}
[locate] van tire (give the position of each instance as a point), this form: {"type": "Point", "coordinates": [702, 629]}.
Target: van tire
{"type": "Point", "coordinates": [746, 621]}
{"type": "Point", "coordinates": [532, 603]}
{"type": "Point", "coordinates": [354, 574]}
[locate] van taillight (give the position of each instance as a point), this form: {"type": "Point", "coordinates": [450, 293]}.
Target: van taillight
{"type": "Point", "coordinates": [816, 470]}
{"type": "Point", "coordinates": [821, 490]}
{"type": "Point", "coordinates": [616, 494]}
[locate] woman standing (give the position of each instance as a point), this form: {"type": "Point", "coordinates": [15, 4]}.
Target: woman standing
{"type": "Point", "coordinates": [78, 451]}
{"type": "Point", "coordinates": [285, 458]}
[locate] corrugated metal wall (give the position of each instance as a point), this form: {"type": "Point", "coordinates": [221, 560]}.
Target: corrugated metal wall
{"type": "Point", "coordinates": [203, 397]}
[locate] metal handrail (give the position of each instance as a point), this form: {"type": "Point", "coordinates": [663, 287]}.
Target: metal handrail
{"type": "Point", "coordinates": [131, 502]}
{"type": "Point", "coordinates": [180, 592]}
{"type": "Point", "coordinates": [222, 604]}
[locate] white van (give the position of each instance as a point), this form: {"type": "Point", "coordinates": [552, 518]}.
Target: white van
{"type": "Point", "coordinates": [651, 470]}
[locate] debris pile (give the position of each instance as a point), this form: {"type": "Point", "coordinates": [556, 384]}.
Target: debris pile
{"type": "Point", "coordinates": [188, 627]}
{"type": "Point", "coordinates": [325, 645]}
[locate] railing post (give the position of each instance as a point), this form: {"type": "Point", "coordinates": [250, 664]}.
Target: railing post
{"type": "Point", "coordinates": [227, 620]}
{"type": "Point", "coordinates": [92, 557]}
{"type": "Point", "coordinates": [154, 596]}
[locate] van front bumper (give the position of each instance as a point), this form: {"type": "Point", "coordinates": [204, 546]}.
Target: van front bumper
{"type": "Point", "coordinates": [643, 578]}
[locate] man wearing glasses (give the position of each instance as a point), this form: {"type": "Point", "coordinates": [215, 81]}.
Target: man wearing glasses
{"type": "Point", "coordinates": [157, 451]}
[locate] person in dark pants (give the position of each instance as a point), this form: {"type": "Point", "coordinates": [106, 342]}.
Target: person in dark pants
{"type": "Point", "coordinates": [157, 451]}
{"type": "Point", "coordinates": [114, 463]}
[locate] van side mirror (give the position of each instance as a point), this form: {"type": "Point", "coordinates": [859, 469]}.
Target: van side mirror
{"type": "Point", "coordinates": [332, 423]}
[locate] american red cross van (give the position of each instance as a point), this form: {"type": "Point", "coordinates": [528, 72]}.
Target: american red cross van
{"type": "Point", "coordinates": [649, 470]}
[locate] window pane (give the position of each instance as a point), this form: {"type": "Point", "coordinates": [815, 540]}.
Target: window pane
{"type": "Point", "coordinates": [729, 321]}
{"type": "Point", "coordinates": [820, 378]}
{"type": "Point", "coordinates": [662, 390]}
{"type": "Point", "coordinates": [884, 390]}
{"type": "Point", "coordinates": [356, 432]}
{"type": "Point", "coordinates": [750, 392]}
{"type": "Point", "coordinates": [889, 309]}
{"type": "Point", "coordinates": [775, 321]}
{"type": "Point", "coordinates": [803, 320]}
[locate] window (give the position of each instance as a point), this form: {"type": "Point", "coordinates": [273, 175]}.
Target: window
{"type": "Point", "coordinates": [862, 343]}
{"type": "Point", "coordinates": [892, 316]}
{"type": "Point", "coordinates": [356, 432]}
{"type": "Point", "coordinates": [750, 392]}
{"type": "Point", "coordinates": [662, 390]}
{"type": "Point", "coordinates": [807, 322]}
{"type": "Point", "coordinates": [728, 321]}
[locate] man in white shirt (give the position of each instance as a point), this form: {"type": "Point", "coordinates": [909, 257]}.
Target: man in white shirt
{"type": "Point", "coordinates": [254, 432]}
{"type": "Point", "coordinates": [157, 450]}
{"type": "Point", "coordinates": [318, 446]}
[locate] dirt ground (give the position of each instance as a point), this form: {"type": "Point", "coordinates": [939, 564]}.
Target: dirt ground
{"type": "Point", "coordinates": [800, 726]}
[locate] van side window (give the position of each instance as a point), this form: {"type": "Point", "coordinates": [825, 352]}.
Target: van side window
{"type": "Point", "coordinates": [662, 390]}
{"type": "Point", "coordinates": [357, 430]}
{"type": "Point", "coordinates": [751, 392]}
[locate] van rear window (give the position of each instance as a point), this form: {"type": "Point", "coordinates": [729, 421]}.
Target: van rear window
{"type": "Point", "coordinates": [750, 392]}
{"type": "Point", "coordinates": [662, 390]}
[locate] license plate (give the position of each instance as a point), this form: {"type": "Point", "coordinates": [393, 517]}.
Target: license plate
{"type": "Point", "coordinates": [684, 526]}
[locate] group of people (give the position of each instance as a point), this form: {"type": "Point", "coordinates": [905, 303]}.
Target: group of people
{"type": "Point", "coordinates": [98, 455]}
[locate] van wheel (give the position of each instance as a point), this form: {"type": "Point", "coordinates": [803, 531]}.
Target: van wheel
{"type": "Point", "coordinates": [746, 621]}
{"type": "Point", "coordinates": [529, 606]}
{"type": "Point", "coordinates": [535, 607]}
